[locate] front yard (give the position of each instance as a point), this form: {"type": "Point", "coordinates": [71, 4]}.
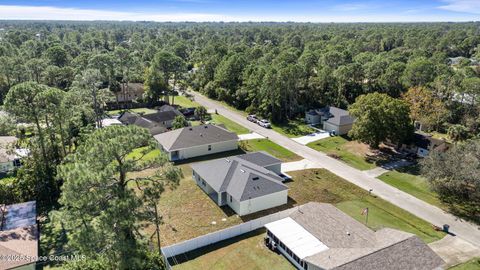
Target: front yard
{"type": "Point", "coordinates": [470, 265]}
{"type": "Point", "coordinates": [270, 147]}
{"type": "Point", "coordinates": [350, 152]}
{"type": "Point", "coordinates": [294, 128]}
{"type": "Point", "coordinates": [229, 124]}
{"type": "Point", "coordinates": [185, 102]}
{"type": "Point", "coordinates": [321, 185]}
{"type": "Point", "coordinates": [408, 180]}
{"type": "Point", "coordinates": [246, 251]}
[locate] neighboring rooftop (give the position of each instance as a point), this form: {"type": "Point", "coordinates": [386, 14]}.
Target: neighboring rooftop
{"type": "Point", "coordinates": [162, 116]}
{"type": "Point", "coordinates": [194, 136]}
{"type": "Point", "coordinates": [19, 234]}
{"type": "Point", "coordinates": [239, 177]}
{"type": "Point", "coordinates": [260, 158]}
{"type": "Point", "coordinates": [339, 117]}
{"type": "Point", "coordinates": [351, 245]}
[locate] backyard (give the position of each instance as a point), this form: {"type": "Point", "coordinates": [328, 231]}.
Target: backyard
{"type": "Point", "coordinates": [350, 152]}
{"type": "Point", "coordinates": [136, 110]}
{"type": "Point", "coordinates": [269, 147]}
{"type": "Point", "coordinates": [246, 251]}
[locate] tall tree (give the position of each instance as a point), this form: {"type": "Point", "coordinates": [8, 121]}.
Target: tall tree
{"type": "Point", "coordinates": [429, 110]}
{"type": "Point", "coordinates": [104, 222]}
{"type": "Point", "coordinates": [378, 118]}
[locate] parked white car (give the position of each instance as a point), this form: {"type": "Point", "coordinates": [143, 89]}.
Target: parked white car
{"type": "Point", "coordinates": [252, 118]}
{"type": "Point", "coordinates": [264, 123]}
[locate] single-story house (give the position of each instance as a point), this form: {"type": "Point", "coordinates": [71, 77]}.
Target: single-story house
{"type": "Point", "coordinates": [130, 93]}
{"type": "Point", "coordinates": [164, 118]}
{"type": "Point", "coordinates": [189, 142]}
{"type": "Point", "coordinates": [320, 236]}
{"type": "Point", "coordinates": [10, 156]}
{"type": "Point", "coordinates": [246, 183]}
{"type": "Point", "coordinates": [332, 119]}
{"type": "Point", "coordinates": [128, 118]}
{"type": "Point", "coordinates": [19, 236]}
{"type": "Point", "coordinates": [422, 144]}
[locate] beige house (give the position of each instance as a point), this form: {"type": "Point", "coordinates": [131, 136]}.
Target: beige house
{"type": "Point", "coordinates": [319, 236]}
{"type": "Point", "coordinates": [246, 183]}
{"type": "Point", "coordinates": [332, 119]}
{"type": "Point", "coordinates": [9, 155]}
{"type": "Point", "coordinates": [196, 141]}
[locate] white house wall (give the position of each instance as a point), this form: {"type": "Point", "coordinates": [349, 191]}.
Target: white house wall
{"type": "Point", "coordinates": [262, 203]}
{"type": "Point", "coordinates": [276, 168]}
{"type": "Point", "coordinates": [202, 150]}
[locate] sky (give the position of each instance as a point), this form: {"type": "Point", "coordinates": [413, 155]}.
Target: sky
{"type": "Point", "coordinates": [244, 10]}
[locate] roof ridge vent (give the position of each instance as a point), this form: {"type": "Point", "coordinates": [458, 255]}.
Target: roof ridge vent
{"type": "Point", "coordinates": [242, 170]}
{"type": "Point", "coordinates": [228, 160]}
{"type": "Point", "coordinates": [255, 178]}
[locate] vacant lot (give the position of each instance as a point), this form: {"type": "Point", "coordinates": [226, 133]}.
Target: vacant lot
{"type": "Point", "coordinates": [269, 147]}
{"type": "Point", "coordinates": [229, 124]}
{"type": "Point", "coordinates": [243, 252]}
{"type": "Point", "coordinates": [294, 128]}
{"type": "Point", "coordinates": [323, 186]}
{"type": "Point", "coordinates": [185, 102]}
{"type": "Point", "coordinates": [351, 152]}
{"type": "Point", "coordinates": [408, 180]}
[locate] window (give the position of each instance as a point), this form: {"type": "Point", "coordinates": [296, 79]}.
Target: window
{"type": "Point", "coordinates": [203, 183]}
{"type": "Point", "coordinates": [209, 147]}
{"type": "Point", "coordinates": [230, 198]}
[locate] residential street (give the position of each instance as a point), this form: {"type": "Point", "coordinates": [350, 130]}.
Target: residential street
{"type": "Point", "coordinates": [432, 214]}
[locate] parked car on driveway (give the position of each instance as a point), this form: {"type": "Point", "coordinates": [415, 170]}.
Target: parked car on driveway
{"type": "Point", "coordinates": [252, 118]}
{"type": "Point", "coordinates": [264, 123]}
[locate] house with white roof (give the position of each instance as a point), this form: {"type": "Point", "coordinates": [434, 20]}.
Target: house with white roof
{"type": "Point", "coordinates": [319, 236]}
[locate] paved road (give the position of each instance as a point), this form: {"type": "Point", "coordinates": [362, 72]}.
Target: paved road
{"type": "Point", "coordinates": [430, 213]}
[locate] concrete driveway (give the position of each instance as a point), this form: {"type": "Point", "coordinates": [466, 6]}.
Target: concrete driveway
{"type": "Point", "coordinates": [250, 136]}
{"type": "Point", "coordinates": [312, 137]}
{"type": "Point", "coordinates": [299, 165]}
{"type": "Point", "coordinates": [454, 250]}
{"type": "Point", "coordinates": [428, 212]}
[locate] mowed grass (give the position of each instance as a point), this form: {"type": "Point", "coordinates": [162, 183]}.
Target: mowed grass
{"type": "Point", "coordinates": [294, 128]}
{"type": "Point", "coordinates": [413, 184]}
{"type": "Point", "coordinates": [473, 264]}
{"type": "Point", "coordinates": [269, 147]}
{"type": "Point", "coordinates": [247, 251]}
{"type": "Point", "coordinates": [320, 185]}
{"type": "Point", "coordinates": [338, 146]}
{"type": "Point", "coordinates": [229, 124]}
{"type": "Point", "coordinates": [185, 102]}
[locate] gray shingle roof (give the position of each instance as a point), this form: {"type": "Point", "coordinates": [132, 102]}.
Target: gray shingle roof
{"type": "Point", "coordinates": [340, 117]}
{"type": "Point", "coordinates": [239, 177]}
{"type": "Point", "coordinates": [194, 136]}
{"type": "Point", "coordinates": [352, 245]}
{"type": "Point", "coordinates": [260, 158]}
{"type": "Point", "coordinates": [162, 116]}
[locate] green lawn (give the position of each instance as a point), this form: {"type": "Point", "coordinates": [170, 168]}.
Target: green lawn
{"type": "Point", "coordinates": [229, 124]}
{"type": "Point", "coordinates": [337, 146]}
{"type": "Point", "coordinates": [269, 147]}
{"type": "Point", "coordinates": [185, 102]}
{"type": "Point", "coordinates": [247, 250]}
{"type": "Point", "coordinates": [139, 152]}
{"type": "Point", "coordinates": [470, 265]}
{"type": "Point", "coordinates": [294, 128]}
{"type": "Point", "coordinates": [321, 185]}
{"type": "Point", "coordinates": [412, 184]}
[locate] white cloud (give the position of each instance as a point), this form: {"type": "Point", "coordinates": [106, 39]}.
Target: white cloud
{"type": "Point", "coordinates": [10, 12]}
{"type": "Point", "coordinates": [467, 6]}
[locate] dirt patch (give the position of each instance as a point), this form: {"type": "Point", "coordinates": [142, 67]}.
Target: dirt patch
{"type": "Point", "coordinates": [358, 148]}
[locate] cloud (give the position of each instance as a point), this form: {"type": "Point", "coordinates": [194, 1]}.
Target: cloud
{"type": "Point", "coordinates": [8, 12]}
{"type": "Point", "coordinates": [466, 6]}
{"type": "Point", "coordinates": [15, 12]}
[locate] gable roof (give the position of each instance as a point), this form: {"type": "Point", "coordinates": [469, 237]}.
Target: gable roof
{"type": "Point", "coordinates": [162, 116]}
{"type": "Point", "coordinates": [128, 118]}
{"type": "Point", "coordinates": [240, 178]}
{"type": "Point", "coordinates": [352, 245]}
{"type": "Point", "coordinates": [260, 158]}
{"type": "Point", "coordinates": [194, 136]}
{"type": "Point", "coordinates": [340, 117]}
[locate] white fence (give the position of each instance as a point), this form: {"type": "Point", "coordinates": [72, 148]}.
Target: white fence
{"type": "Point", "coordinates": [214, 237]}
